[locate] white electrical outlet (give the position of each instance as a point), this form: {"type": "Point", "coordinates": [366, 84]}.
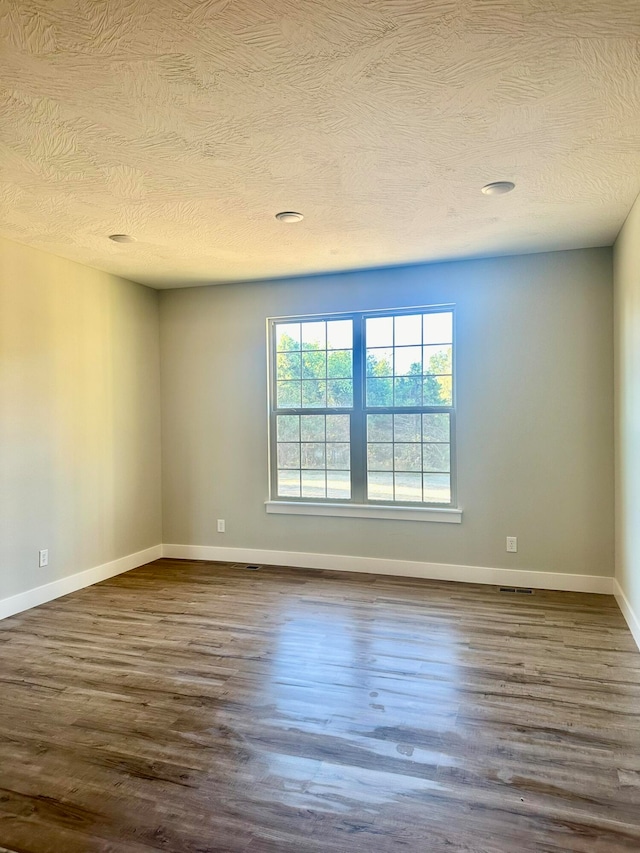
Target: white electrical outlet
{"type": "Point", "coordinates": [221, 525]}
{"type": "Point", "coordinates": [512, 544]}
{"type": "Point", "coordinates": [43, 558]}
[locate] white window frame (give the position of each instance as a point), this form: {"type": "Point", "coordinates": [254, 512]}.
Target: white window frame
{"type": "Point", "coordinates": [359, 506]}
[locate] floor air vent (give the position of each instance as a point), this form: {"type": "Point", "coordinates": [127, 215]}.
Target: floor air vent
{"type": "Point", "coordinates": [523, 590]}
{"type": "Point", "coordinates": [252, 568]}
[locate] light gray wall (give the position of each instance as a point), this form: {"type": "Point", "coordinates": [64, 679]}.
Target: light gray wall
{"type": "Point", "coordinates": [535, 417]}
{"type": "Point", "coordinates": [627, 348]}
{"type": "Point", "coordinates": [79, 417]}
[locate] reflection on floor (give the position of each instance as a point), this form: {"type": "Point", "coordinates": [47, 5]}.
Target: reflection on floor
{"type": "Point", "coordinates": [192, 707]}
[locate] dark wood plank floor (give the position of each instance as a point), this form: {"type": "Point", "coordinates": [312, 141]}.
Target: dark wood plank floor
{"type": "Point", "coordinates": [202, 707]}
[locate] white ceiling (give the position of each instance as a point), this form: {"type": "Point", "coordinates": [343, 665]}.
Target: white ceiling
{"type": "Point", "coordinates": [190, 123]}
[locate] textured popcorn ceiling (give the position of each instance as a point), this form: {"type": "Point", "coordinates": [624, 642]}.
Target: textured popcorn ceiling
{"type": "Point", "coordinates": [190, 123]}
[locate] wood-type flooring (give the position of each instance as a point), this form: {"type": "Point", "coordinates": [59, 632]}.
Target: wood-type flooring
{"type": "Point", "coordinates": [191, 707]}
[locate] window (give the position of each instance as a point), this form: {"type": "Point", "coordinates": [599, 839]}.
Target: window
{"type": "Point", "coordinates": [362, 408]}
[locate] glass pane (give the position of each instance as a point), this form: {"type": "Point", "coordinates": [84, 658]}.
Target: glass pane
{"type": "Point", "coordinates": [408, 329]}
{"type": "Point", "coordinates": [437, 359]}
{"type": "Point", "coordinates": [288, 365]}
{"type": "Point", "coordinates": [431, 389]}
{"type": "Point", "coordinates": [435, 427]}
{"type": "Point", "coordinates": [288, 455]}
{"type": "Point", "coordinates": [436, 457]}
{"type": "Point", "coordinates": [287, 336]}
{"type": "Point", "coordinates": [314, 394]}
{"type": "Point", "coordinates": [437, 488]}
{"type": "Point", "coordinates": [288, 427]}
{"type": "Point", "coordinates": [379, 392]}
{"type": "Point", "coordinates": [380, 457]}
{"type": "Point", "coordinates": [407, 361]}
{"type": "Point", "coordinates": [288, 395]}
{"type": "Point", "coordinates": [408, 390]}
{"type": "Point", "coordinates": [339, 334]}
{"type": "Point", "coordinates": [314, 335]}
{"type": "Point", "coordinates": [408, 487]}
{"type": "Point", "coordinates": [339, 393]}
{"type": "Point", "coordinates": [445, 389]}
{"type": "Point", "coordinates": [407, 428]}
{"type": "Point", "coordinates": [407, 457]}
{"type": "Point", "coordinates": [380, 487]}
{"type": "Point", "coordinates": [313, 484]}
{"type": "Point", "coordinates": [313, 455]}
{"type": "Point", "coordinates": [339, 364]}
{"type": "Point", "coordinates": [379, 332]}
{"type": "Point", "coordinates": [380, 362]}
{"type": "Point", "coordinates": [438, 328]}
{"type": "Point", "coordinates": [338, 456]}
{"type": "Point", "coordinates": [379, 427]}
{"type": "Point", "coordinates": [314, 364]}
{"type": "Point", "coordinates": [289, 484]}
{"type": "Point", "coordinates": [312, 427]}
{"type": "Point", "coordinates": [338, 427]}
{"type": "Point", "coordinates": [339, 485]}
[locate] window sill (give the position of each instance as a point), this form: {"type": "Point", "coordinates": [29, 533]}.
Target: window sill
{"type": "Point", "coordinates": [446, 515]}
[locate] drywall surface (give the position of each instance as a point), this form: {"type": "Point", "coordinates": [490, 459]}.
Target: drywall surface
{"type": "Point", "coordinates": [535, 413]}
{"type": "Point", "coordinates": [79, 418]}
{"type": "Point", "coordinates": [627, 349]}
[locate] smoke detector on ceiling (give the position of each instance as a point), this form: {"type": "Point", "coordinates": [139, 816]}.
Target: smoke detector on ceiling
{"type": "Point", "coordinates": [289, 216]}
{"type": "Point", "coordinates": [122, 238]}
{"type": "Point", "coordinates": [498, 188]}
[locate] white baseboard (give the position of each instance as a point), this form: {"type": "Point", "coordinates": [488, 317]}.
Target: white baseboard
{"type": "Point", "coordinates": [627, 611]}
{"type": "Point", "coordinates": [63, 586]}
{"type": "Point", "coordinates": [399, 568]}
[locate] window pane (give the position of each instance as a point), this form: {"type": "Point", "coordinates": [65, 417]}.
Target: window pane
{"type": "Point", "coordinates": [380, 362]}
{"type": "Point", "coordinates": [287, 336]}
{"type": "Point", "coordinates": [312, 427]}
{"type": "Point", "coordinates": [314, 335]}
{"type": "Point", "coordinates": [288, 365]}
{"type": "Point", "coordinates": [313, 455]}
{"type": "Point", "coordinates": [289, 484]}
{"type": "Point", "coordinates": [438, 328]}
{"type": "Point", "coordinates": [445, 389]}
{"type": "Point", "coordinates": [407, 428]}
{"type": "Point", "coordinates": [313, 484]}
{"type": "Point", "coordinates": [435, 427]}
{"type": "Point", "coordinates": [437, 488]}
{"type": "Point", "coordinates": [338, 427]}
{"type": "Point", "coordinates": [314, 394]}
{"type": "Point", "coordinates": [339, 334]}
{"type": "Point", "coordinates": [380, 487]}
{"type": "Point", "coordinates": [380, 457]}
{"type": "Point", "coordinates": [407, 361]}
{"type": "Point", "coordinates": [339, 485]}
{"type": "Point", "coordinates": [437, 359]}
{"type": "Point", "coordinates": [379, 392]}
{"type": "Point", "coordinates": [288, 427]}
{"type": "Point", "coordinates": [437, 391]}
{"type": "Point", "coordinates": [408, 329]}
{"type": "Point", "coordinates": [408, 391]}
{"type": "Point", "coordinates": [408, 487]}
{"type": "Point", "coordinates": [379, 331]}
{"type": "Point", "coordinates": [338, 456]}
{"type": "Point", "coordinates": [314, 364]}
{"type": "Point", "coordinates": [288, 395]}
{"type": "Point", "coordinates": [339, 364]}
{"type": "Point", "coordinates": [379, 427]}
{"type": "Point", "coordinates": [436, 457]}
{"type": "Point", "coordinates": [339, 393]}
{"type": "Point", "coordinates": [407, 457]}
{"type": "Point", "coordinates": [288, 455]}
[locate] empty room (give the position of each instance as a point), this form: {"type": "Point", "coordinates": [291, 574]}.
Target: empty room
{"type": "Point", "coordinates": [319, 426]}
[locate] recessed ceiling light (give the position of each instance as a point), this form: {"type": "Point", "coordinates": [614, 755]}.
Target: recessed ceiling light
{"type": "Point", "coordinates": [498, 188]}
{"type": "Point", "coordinates": [289, 216]}
{"type": "Point", "coordinates": [122, 238]}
